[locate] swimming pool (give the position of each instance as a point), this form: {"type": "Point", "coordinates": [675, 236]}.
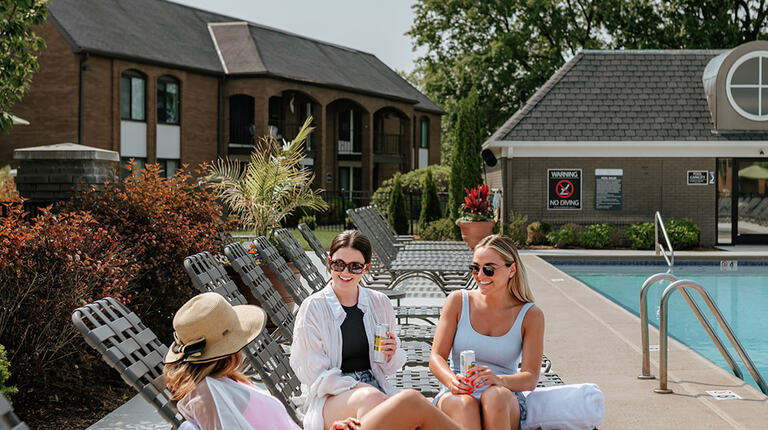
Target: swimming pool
{"type": "Point", "coordinates": [741, 295]}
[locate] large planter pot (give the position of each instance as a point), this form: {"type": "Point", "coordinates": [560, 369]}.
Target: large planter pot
{"type": "Point", "coordinates": [473, 232]}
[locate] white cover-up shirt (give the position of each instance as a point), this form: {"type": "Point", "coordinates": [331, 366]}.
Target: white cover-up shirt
{"type": "Point", "coordinates": [316, 348]}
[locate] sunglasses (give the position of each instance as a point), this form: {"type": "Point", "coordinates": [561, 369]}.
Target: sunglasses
{"type": "Point", "coordinates": [487, 269]}
{"type": "Point", "coordinates": [339, 266]}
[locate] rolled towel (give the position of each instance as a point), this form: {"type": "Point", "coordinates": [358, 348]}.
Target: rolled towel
{"type": "Point", "coordinates": [564, 407]}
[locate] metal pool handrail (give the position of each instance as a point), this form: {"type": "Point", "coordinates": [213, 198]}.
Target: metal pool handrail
{"type": "Point", "coordinates": [657, 222]}
{"type": "Point", "coordinates": [645, 369]}
{"type": "Point", "coordinates": [663, 356]}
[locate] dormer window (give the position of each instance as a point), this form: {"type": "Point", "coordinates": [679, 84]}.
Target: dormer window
{"type": "Point", "coordinates": [747, 86]}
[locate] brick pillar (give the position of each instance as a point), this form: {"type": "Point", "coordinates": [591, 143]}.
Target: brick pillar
{"type": "Point", "coordinates": [367, 150]}
{"type": "Point", "coordinates": [53, 172]}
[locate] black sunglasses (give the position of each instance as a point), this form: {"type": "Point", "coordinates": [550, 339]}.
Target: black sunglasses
{"type": "Point", "coordinates": [339, 266]}
{"type": "Point", "coordinates": [488, 270]}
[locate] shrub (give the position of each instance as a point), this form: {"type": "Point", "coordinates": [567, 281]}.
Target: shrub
{"type": "Point", "coordinates": [640, 235]}
{"type": "Point", "coordinates": [5, 373]}
{"type": "Point", "coordinates": [397, 213]}
{"type": "Point", "coordinates": [50, 265]}
{"type": "Point", "coordinates": [564, 237]}
{"type": "Point", "coordinates": [348, 224]}
{"type": "Point", "coordinates": [8, 191]}
{"type": "Point", "coordinates": [477, 205]}
{"type": "Point", "coordinates": [515, 228]}
{"type": "Point", "coordinates": [683, 234]}
{"type": "Point", "coordinates": [309, 220]}
{"type": "Point", "coordinates": [442, 229]}
{"type": "Point", "coordinates": [412, 183]}
{"type": "Point", "coordinates": [596, 236]}
{"type": "Point", "coordinates": [537, 232]}
{"type": "Point", "coordinates": [430, 203]}
{"type": "Point", "coordinates": [165, 220]}
{"type": "Point", "coordinates": [466, 164]}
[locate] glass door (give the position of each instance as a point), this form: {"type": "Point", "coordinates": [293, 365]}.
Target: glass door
{"type": "Point", "coordinates": [750, 179]}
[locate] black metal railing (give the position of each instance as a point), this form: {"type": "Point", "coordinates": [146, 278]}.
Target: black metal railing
{"type": "Point", "coordinates": [387, 144]}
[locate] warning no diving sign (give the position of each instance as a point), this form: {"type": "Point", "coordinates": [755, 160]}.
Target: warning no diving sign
{"type": "Point", "coordinates": [564, 189]}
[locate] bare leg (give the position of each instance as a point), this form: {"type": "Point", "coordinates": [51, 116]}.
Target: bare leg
{"type": "Point", "coordinates": [352, 403]}
{"type": "Point", "coordinates": [500, 409]}
{"type": "Point", "coordinates": [462, 408]}
{"type": "Point", "coordinates": [407, 410]}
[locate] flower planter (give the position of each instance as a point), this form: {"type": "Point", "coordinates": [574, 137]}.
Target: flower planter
{"type": "Point", "coordinates": [473, 232]}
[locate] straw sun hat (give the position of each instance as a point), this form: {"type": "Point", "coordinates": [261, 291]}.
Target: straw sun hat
{"type": "Point", "coordinates": [208, 328]}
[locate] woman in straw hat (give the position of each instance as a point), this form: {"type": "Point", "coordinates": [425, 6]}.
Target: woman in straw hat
{"type": "Point", "coordinates": [202, 371]}
{"type": "Point", "coordinates": [500, 323]}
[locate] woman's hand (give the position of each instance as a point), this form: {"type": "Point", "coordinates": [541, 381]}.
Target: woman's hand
{"type": "Point", "coordinates": [459, 385]}
{"type": "Point", "coordinates": [389, 346]}
{"type": "Point", "coordinates": [350, 423]}
{"type": "Point", "coordinates": [481, 376]}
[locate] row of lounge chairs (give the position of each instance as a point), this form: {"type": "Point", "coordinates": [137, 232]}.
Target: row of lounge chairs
{"type": "Point", "coordinates": [135, 351]}
{"type": "Point", "coordinates": [8, 419]}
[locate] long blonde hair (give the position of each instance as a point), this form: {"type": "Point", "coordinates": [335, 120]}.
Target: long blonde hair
{"type": "Point", "coordinates": [505, 246]}
{"type": "Point", "coordinates": [182, 377]}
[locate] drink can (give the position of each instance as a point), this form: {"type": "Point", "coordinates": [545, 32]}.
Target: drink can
{"type": "Point", "coordinates": [467, 361]}
{"type": "Point", "coordinates": [379, 335]}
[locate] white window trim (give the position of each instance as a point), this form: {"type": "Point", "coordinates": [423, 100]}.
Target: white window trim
{"type": "Point", "coordinates": [760, 86]}
{"type": "Point", "coordinates": [629, 149]}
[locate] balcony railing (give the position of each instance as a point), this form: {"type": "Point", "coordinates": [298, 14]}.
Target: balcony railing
{"type": "Point", "coordinates": [349, 147]}
{"type": "Point", "coordinates": [387, 144]}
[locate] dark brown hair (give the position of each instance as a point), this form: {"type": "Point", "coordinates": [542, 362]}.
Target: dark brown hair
{"type": "Point", "coordinates": [352, 239]}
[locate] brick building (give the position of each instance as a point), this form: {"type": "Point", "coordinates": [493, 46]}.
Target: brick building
{"type": "Point", "coordinates": [614, 136]}
{"type": "Point", "coordinates": [162, 82]}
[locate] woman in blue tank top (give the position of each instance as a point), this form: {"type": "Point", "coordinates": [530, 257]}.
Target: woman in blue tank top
{"type": "Point", "coordinates": [501, 324]}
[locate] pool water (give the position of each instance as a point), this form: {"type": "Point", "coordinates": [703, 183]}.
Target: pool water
{"type": "Point", "coordinates": [741, 295]}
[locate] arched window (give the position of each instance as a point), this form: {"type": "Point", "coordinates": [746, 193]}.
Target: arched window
{"type": "Point", "coordinates": [168, 100]}
{"type": "Point", "coordinates": [424, 133]}
{"type": "Point", "coordinates": [747, 86]}
{"type": "Point", "coordinates": [133, 96]}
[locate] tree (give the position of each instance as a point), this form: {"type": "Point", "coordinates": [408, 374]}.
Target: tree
{"type": "Point", "coordinates": [398, 216]}
{"type": "Point", "coordinates": [18, 43]}
{"type": "Point", "coordinates": [430, 203]}
{"type": "Point", "coordinates": [466, 165]}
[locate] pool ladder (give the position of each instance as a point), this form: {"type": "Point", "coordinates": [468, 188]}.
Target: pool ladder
{"type": "Point", "coordinates": [658, 223]}
{"type": "Point", "coordinates": [683, 285]}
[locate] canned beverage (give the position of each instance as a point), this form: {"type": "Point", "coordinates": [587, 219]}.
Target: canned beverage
{"type": "Point", "coordinates": [467, 361]}
{"type": "Point", "coordinates": [379, 335]}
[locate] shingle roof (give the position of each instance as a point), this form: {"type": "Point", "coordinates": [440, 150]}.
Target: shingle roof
{"type": "Point", "coordinates": [168, 33]}
{"type": "Point", "coordinates": [621, 96]}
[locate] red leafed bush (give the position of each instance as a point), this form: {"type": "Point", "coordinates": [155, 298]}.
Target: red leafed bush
{"type": "Point", "coordinates": [50, 265]}
{"type": "Point", "coordinates": [477, 203]}
{"type": "Point", "coordinates": [164, 220]}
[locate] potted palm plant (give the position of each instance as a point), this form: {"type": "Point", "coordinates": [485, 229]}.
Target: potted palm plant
{"type": "Point", "coordinates": [477, 220]}
{"type": "Point", "coordinates": [268, 188]}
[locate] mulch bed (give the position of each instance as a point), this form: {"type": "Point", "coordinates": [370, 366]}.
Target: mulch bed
{"type": "Point", "coordinates": [79, 394]}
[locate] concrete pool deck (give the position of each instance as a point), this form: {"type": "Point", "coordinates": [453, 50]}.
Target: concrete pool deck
{"type": "Point", "coordinates": [591, 339]}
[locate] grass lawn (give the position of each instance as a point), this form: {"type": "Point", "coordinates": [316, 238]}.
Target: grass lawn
{"type": "Point", "coordinates": [325, 236]}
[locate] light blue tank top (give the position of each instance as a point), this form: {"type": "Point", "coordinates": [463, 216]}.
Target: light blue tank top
{"type": "Point", "coordinates": [500, 353]}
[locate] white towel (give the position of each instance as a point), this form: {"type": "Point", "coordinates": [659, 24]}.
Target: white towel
{"type": "Point", "coordinates": [564, 407]}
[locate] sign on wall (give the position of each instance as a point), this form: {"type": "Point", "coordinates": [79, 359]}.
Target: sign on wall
{"type": "Point", "coordinates": [698, 177]}
{"type": "Point", "coordinates": [608, 189]}
{"type": "Point", "coordinates": [564, 189]}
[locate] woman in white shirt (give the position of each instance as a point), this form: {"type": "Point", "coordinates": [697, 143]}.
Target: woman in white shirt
{"type": "Point", "coordinates": [332, 352]}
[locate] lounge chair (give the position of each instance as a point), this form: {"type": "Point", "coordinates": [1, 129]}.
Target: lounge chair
{"type": "Point", "coordinates": [130, 348]}
{"type": "Point", "coordinates": [376, 219]}
{"type": "Point", "coordinates": [8, 419]}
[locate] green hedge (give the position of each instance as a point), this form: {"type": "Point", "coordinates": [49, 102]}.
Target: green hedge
{"type": "Point", "coordinates": [537, 232]}
{"type": "Point", "coordinates": [684, 234]}
{"type": "Point", "coordinates": [640, 235]}
{"type": "Point", "coordinates": [565, 237]}
{"type": "Point", "coordinates": [5, 373]}
{"type": "Point", "coordinates": [596, 236]}
{"type": "Point", "coordinates": [441, 229]}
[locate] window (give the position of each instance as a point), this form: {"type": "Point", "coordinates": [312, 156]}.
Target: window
{"type": "Point", "coordinates": [167, 100]}
{"type": "Point", "coordinates": [132, 96]}
{"type": "Point", "coordinates": [168, 167]}
{"type": "Point", "coordinates": [747, 86]}
{"type": "Point", "coordinates": [424, 133]}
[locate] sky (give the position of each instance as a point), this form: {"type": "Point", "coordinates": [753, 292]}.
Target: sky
{"type": "Point", "coordinates": [373, 26]}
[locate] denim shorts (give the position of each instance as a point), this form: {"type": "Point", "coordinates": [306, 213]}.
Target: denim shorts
{"type": "Point", "coordinates": [364, 376]}
{"type": "Point", "coordinates": [521, 401]}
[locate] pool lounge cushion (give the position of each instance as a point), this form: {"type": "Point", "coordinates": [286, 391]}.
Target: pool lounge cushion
{"type": "Point", "coordinates": [564, 407]}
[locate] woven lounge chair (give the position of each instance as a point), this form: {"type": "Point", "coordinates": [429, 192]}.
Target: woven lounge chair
{"type": "Point", "coordinates": [130, 348]}
{"type": "Point", "coordinates": [8, 419]}
{"type": "Point", "coordinates": [375, 218]}
{"type": "Point", "coordinates": [208, 275]}
{"type": "Point", "coordinates": [270, 255]}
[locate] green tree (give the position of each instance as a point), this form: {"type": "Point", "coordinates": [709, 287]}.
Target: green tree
{"type": "Point", "coordinates": [398, 216]}
{"type": "Point", "coordinates": [430, 203]}
{"type": "Point", "coordinates": [466, 165]}
{"type": "Point", "coordinates": [18, 43]}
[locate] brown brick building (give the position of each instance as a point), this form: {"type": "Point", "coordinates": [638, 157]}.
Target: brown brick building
{"type": "Point", "coordinates": [162, 82]}
{"type": "Point", "coordinates": [615, 136]}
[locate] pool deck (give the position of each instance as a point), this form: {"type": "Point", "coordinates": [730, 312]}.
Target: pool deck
{"type": "Point", "coordinates": [591, 339]}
